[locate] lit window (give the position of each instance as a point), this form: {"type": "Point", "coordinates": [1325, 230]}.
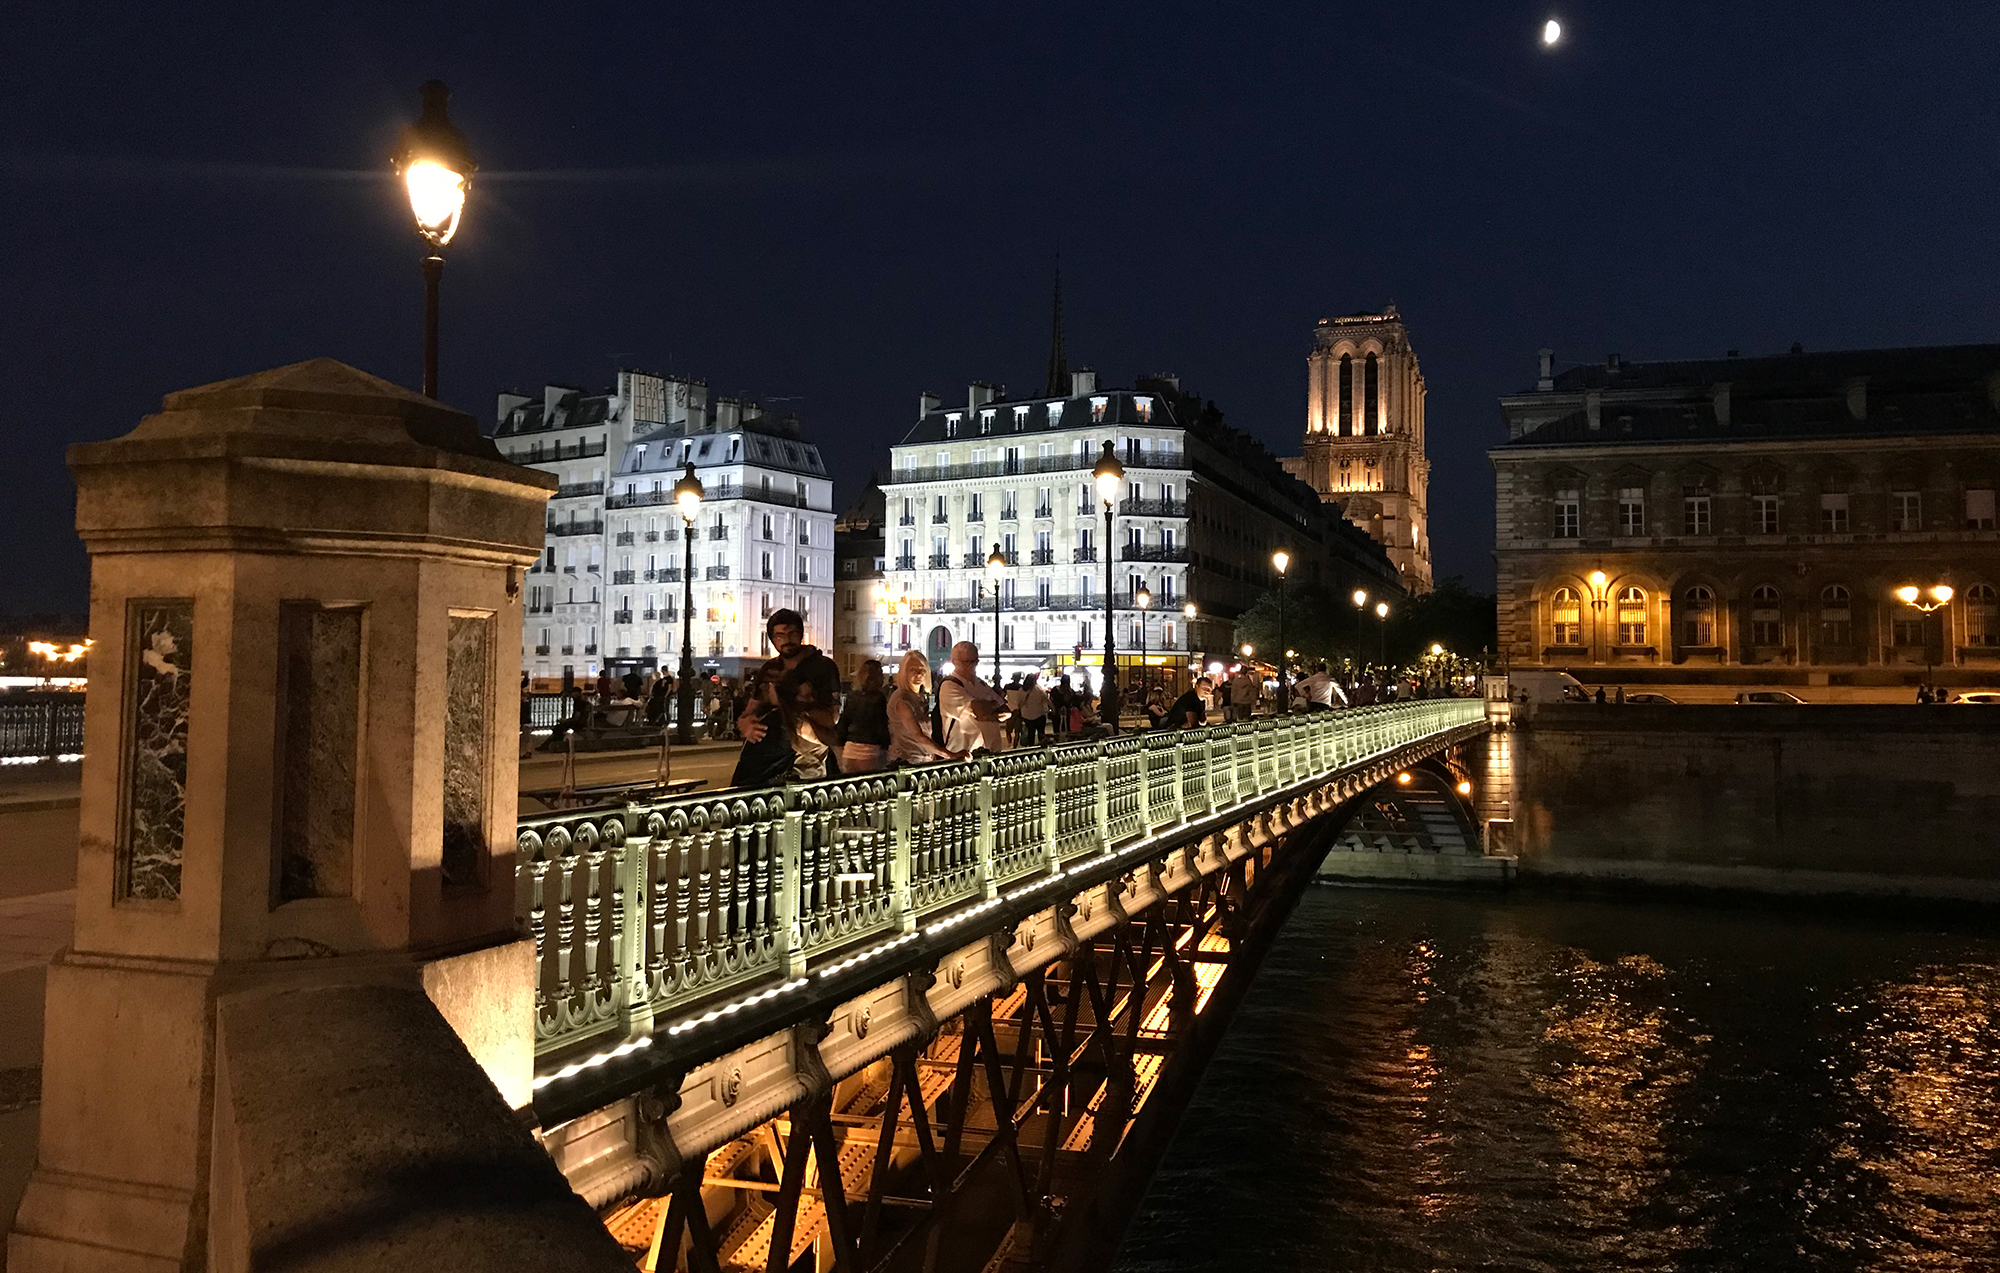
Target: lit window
{"type": "Point", "coordinates": [1565, 618]}
{"type": "Point", "coordinates": [1055, 415]}
{"type": "Point", "coordinates": [1097, 406]}
{"type": "Point", "coordinates": [986, 422]}
{"type": "Point", "coordinates": [1144, 406]}
{"type": "Point", "coordinates": [1631, 616]}
{"type": "Point", "coordinates": [1698, 617]}
{"type": "Point", "coordinates": [1833, 513]}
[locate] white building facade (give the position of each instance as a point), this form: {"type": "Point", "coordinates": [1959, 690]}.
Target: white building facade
{"type": "Point", "coordinates": [609, 592]}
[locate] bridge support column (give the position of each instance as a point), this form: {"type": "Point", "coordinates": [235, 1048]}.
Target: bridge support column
{"type": "Point", "coordinates": [299, 781]}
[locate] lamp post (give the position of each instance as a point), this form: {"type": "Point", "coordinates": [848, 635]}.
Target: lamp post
{"type": "Point", "coordinates": [1597, 581]}
{"type": "Point", "coordinates": [436, 167]}
{"type": "Point", "coordinates": [1188, 612]}
{"type": "Point", "coordinates": [1382, 632]}
{"type": "Point", "coordinates": [687, 499]}
{"type": "Point", "coordinates": [1109, 475]}
{"type": "Point", "coordinates": [1914, 597]}
{"type": "Point", "coordinates": [1142, 600]}
{"type": "Point", "coordinates": [1282, 559]}
{"type": "Point", "coordinates": [996, 562]}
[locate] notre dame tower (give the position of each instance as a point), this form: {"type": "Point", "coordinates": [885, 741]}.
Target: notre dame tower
{"type": "Point", "coordinates": [1364, 444]}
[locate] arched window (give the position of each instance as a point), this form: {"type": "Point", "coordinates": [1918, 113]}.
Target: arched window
{"type": "Point", "coordinates": [1371, 397]}
{"type": "Point", "coordinates": [1698, 616]}
{"type": "Point", "coordinates": [1565, 618]}
{"type": "Point", "coordinates": [1766, 621]}
{"type": "Point", "coordinates": [1631, 616]}
{"type": "Point", "coordinates": [1346, 395]}
{"type": "Point", "coordinates": [1836, 616]}
{"type": "Point", "coordinates": [1982, 616]}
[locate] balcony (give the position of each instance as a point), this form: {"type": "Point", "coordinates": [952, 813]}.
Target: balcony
{"type": "Point", "coordinates": [1043, 557]}
{"type": "Point", "coordinates": [539, 454]}
{"type": "Point", "coordinates": [569, 570]}
{"type": "Point", "coordinates": [541, 649]}
{"type": "Point", "coordinates": [670, 574]}
{"type": "Point", "coordinates": [973, 561]}
{"type": "Point", "coordinates": [906, 563]}
{"type": "Point", "coordinates": [1045, 512]}
{"type": "Point", "coordinates": [940, 519]}
{"type": "Point", "coordinates": [1157, 552]}
{"type": "Point", "coordinates": [940, 561]}
{"type": "Point", "coordinates": [621, 616]}
{"type": "Point", "coordinates": [652, 536]}
{"type": "Point", "coordinates": [650, 616]}
{"type": "Point", "coordinates": [1010, 513]}
{"type": "Point", "coordinates": [578, 490]}
{"type": "Point", "coordinates": [548, 608]}
{"type": "Point", "coordinates": [623, 576]}
{"type": "Point", "coordinates": [1083, 556]}
{"type": "Point", "coordinates": [569, 649]}
{"type": "Point", "coordinates": [1153, 507]}
{"type": "Point", "coordinates": [907, 519]}
{"type": "Point", "coordinates": [718, 572]}
{"type": "Point", "coordinates": [1034, 464]}
{"type": "Point", "coordinates": [589, 649]}
{"type": "Point", "coordinates": [718, 533]}
{"type": "Point", "coordinates": [576, 528]}
{"type": "Point", "coordinates": [624, 651]}
{"type": "Point", "coordinates": [714, 491]}
{"type": "Point", "coordinates": [975, 516]}
{"type": "Point", "coordinates": [624, 539]}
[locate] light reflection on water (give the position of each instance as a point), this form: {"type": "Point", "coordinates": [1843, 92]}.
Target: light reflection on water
{"type": "Point", "coordinates": [1425, 1081]}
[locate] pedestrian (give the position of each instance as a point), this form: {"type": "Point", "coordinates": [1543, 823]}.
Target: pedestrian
{"type": "Point", "coordinates": [1034, 712]}
{"type": "Point", "coordinates": [864, 724]}
{"type": "Point", "coordinates": [1059, 701]}
{"type": "Point", "coordinates": [792, 712]}
{"type": "Point", "coordinates": [974, 713]}
{"type": "Point", "coordinates": [1187, 711]}
{"type": "Point", "coordinates": [909, 742]}
{"type": "Point", "coordinates": [721, 708]}
{"type": "Point", "coordinates": [634, 684]}
{"type": "Point", "coordinates": [656, 700]}
{"type": "Point", "coordinates": [786, 630]}
{"type": "Point", "coordinates": [1244, 690]}
{"type": "Point", "coordinates": [1600, 694]}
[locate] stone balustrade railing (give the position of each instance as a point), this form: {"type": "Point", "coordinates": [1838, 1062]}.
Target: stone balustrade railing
{"type": "Point", "coordinates": [644, 913]}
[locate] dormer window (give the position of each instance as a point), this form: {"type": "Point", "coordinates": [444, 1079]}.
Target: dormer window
{"type": "Point", "coordinates": [1097, 406]}
{"type": "Point", "coordinates": [1020, 418]}
{"type": "Point", "coordinates": [951, 419]}
{"type": "Point", "coordinates": [1145, 408]}
{"type": "Point", "coordinates": [1055, 415]}
{"type": "Point", "coordinates": [986, 422]}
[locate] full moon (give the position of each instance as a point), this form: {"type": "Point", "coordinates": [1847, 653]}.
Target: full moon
{"type": "Point", "coordinates": [1552, 31]}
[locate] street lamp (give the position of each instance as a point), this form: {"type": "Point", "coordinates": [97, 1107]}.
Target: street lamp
{"type": "Point", "coordinates": [1187, 613]}
{"type": "Point", "coordinates": [1382, 632]}
{"type": "Point", "coordinates": [1597, 581]}
{"type": "Point", "coordinates": [1109, 475]}
{"type": "Point", "coordinates": [996, 562]}
{"type": "Point", "coordinates": [1143, 600]}
{"type": "Point", "coordinates": [1282, 559]}
{"type": "Point", "coordinates": [436, 167]}
{"type": "Point", "coordinates": [687, 500]}
{"type": "Point", "coordinates": [1939, 595]}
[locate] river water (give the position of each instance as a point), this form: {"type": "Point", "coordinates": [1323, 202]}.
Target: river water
{"type": "Point", "coordinates": [1424, 1081]}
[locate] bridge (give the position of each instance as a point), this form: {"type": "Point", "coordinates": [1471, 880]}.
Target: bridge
{"type": "Point", "coordinates": [331, 1003]}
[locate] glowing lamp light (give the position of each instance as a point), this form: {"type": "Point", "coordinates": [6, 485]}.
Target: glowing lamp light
{"type": "Point", "coordinates": [1907, 594]}
{"type": "Point", "coordinates": [687, 495]}
{"type": "Point", "coordinates": [1360, 598]}
{"type": "Point", "coordinates": [436, 167]}
{"type": "Point", "coordinates": [1281, 559]}
{"type": "Point", "coordinates": [437, 199]}
{"type": "Point", "coordinates": [1942, 592]}
{"type": "Point", "coordinates": [1109, 475]}
{"type": "Point", "coordinates": [1249, 650]}
{"type": "Point", "coordinates": [1552, 31]}
{"type": "Point", "coordinates": [1598, 579]}
{"type": "Point", "coordinates": [1436, 648]}
{"type": "Point", "coordinates": [1464, 788]}
{"type": "Point", "coordinates": [1404, 778]}
{"type": "Point", "coordinates": [1188, 610]}
{"type": "Point", "coordinates": [996, 561]}
{"type": "Point", "coordinates": [1381, 609]}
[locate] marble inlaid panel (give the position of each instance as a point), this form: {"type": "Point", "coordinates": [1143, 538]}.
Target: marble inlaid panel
{"type": "Point", "coordinates": [468, 674]}
{"type": "Point", "coordinates": [158, 670]}
{"type": "Point", "coordinates": [319, 712]}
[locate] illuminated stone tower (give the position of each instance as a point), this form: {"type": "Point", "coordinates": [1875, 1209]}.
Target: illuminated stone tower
{"type": "Point", "coordinates": [1364, 443]}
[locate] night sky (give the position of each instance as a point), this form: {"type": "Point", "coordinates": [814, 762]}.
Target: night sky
{"type": "Point", "coordinates": [833, 207]}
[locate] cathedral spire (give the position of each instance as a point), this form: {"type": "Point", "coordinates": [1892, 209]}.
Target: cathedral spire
{"type": "Point", "coordinates": [1057, 385]}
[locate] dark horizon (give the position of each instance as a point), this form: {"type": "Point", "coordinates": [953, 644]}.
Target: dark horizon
{"type": "Point", "coordinates": [831, 213]}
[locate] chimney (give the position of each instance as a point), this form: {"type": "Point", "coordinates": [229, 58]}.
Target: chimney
{"type": "Point", "coordinates": [1082, 381]}
{"type": "Point", "coordinates": [552, 396]}
{"type": "Point", "coordinates": [1857, 397]}
{"type": "Point", "coordinates": [509, 399]}
{"type": "Point", "coordinates": [728, 414]}
{"type": "Point", "coordinates": [927, 402]}
{"type": "Point", "coordinates": [979, 395]}
{"type": "Point", "coordinates": [1546, 381]}
{"type": "Point", "coordinates": [699, 420]}
{"type": "Point", "coordinates": [1593, 404]}
{"type": "Point", "coordinates": [1721, 395]}
{"type": "Point", "coordinates": [1611, 364]}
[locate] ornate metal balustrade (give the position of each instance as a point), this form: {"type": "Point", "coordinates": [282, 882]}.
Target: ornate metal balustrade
{"type": "Point", "coordinates": [647, 914]}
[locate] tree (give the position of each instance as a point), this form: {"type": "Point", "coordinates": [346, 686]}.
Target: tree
{"type": "Point", "coordinates": [1319, 623]}
{"type": "Point", "coordinates": [1464, 622]}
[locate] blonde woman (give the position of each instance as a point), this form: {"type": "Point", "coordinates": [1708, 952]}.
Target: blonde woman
{"type": "Point", "coordinates": [909, 741]}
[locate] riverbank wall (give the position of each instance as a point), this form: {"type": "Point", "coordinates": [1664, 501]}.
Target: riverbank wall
{"type": "Point", "coordinates": [1885, 801]}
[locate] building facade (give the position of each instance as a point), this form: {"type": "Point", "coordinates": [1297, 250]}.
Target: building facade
{"type": "Point", "coordinates": [1364, 436]}
{"type": "Point", "coordinates": [1204, 508]}
{"type": "Point", "coordinates": [1749, 520]}
{"type": "Point", "coordinates": [859, 564]}
{"type": "Point", "coordinates": [608, 592]}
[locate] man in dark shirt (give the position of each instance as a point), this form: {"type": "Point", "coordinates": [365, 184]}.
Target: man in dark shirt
{"type": "Point", "coordinates": [1187, 711]}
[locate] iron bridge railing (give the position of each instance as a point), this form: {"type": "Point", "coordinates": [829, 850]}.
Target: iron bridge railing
{"type": "Point", "coordinates": [642, 913]}
{"type": "Point", "coordinates": [40, 725]}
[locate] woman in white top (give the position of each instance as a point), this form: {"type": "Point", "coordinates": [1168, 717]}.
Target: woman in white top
{"type": "Point", "coordinates": [909, 738]}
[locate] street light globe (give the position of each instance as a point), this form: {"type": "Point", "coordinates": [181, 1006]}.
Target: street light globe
{"type": "Point", "coordinates": [1381, 609]}
{"type": "Point", "coordinates": [1942, 592]}
{"type": "Point", "coordinates": [1109, 474]}
{"type": "Point", "coordinates": [1436, 648]}
{"type": "Point", "coordinates": [1907, 594]}
{"type": "Point", "coordinates": [1291, 654]}
{"type": "Point", "coordinates": [687, 495]}
{"type": "Point", "coordinates": [1249, 650]}
{"type": "Point", "coordinates": [436, 167]}
{"type": "Point", "coordinates": [1281, 559]}
{"type": "Point", "coordinates": [1360, 598]}
{"type": "Point", "coordinates": [1142, 598]}
{"type": "Point", "coordinates": [1598, 579]}
{"type": "Point", "coordinates": [1188, 609]}
{"type": "Point", "coordinates": [996, 561]}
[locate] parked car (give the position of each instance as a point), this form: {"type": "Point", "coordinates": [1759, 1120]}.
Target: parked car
{"type": "Point", "coordinates": [1990, 697]}
{"type": "Point", "coordinates": [1771, 698]}
{"type": "Point", "coordinates": [1649, 696]}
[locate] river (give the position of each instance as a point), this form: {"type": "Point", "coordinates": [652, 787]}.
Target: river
{"type": "Point", "coordinates": [1426, 1081]}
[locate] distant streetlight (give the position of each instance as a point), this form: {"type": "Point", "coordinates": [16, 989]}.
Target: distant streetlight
{"type": "Point", "coordinates": [1109, 476]}
{"type": "Point", "coordinates": [687, 502]}
{"type": "Point", "coordinates": [1382, 632]}
{"type": "Point", "coordinates": [1436, 649]}
{"type": "Point", "coordinates": [1281, 559]}
{"type": "Point", "coordinates": [1936, 597]}
{"type": "Point", "coordinates": [1597, 581]}
{"type": "Point", "coordinates": [1552, 32]}
{"type": "Point", "coordinates": [1249, 650]}
{"type": "Point", "coordinates": [436, 167]}
{"type": "Point", "coordinates": [1143, 600]}
{"type": "Point", "coordinates": [996, 563]}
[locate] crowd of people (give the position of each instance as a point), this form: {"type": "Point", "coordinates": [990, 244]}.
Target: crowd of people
{"type": "Point", "coordinates": [796, 724]}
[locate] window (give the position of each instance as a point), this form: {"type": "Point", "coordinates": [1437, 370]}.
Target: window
{"type": "Point", "coordinates": [764, 565]}
{"type": "Point", "coordinates": [1045, 502]}
{"type": "Point", "coordinates": [1055, 415]}
{"type": "Point", "coordinates": [1908, 629]}
{"type": "Point", "coordinates": [1097, 406]}
{"type": "Point", "coordinates": [1694, 515]}
{"type": "Point", "coordinates": [1982, 616]}
{"type": "Point", "coordinates": [1906, 510]}
{"type": "Point", "coordinates": [1043, 590]}
{"type": "Point", "coordinates": [1631, 510]}
{"type": "Point", "coordinates": [1020, 418]}
{"type": "Point", "coordinates": [1371, 395]}
{"type": "Point", "coordinates": [1979, 509]}
{"type": "Point", "coordinates": [1569, 514]}
{"type": "Point", "coordinates": [1084, 585]}
{"type": "Point", "coordinates": [1836, 616]}
{"type": "Point", "coordinates": [1085, 550]}
{"type": "Point", "coordinates": [767, 527]}
{"type": "Point", "coordinates": [1010, 507]}
{"type": "Point", "coordinates": [975, 507]}
{"type": "Point", "coordinates": [986, 422]}
{"type": "Point", "coordinates": [1764, 509]}
{"type": "Point", "coordinates": [1167, 629]}
{"type": "Point", "coordinates": [1833, 513]}
{"type": "Point", "coordinates": [805, 568]}
{"type": "Point", "coordinates": [1698, 617]}
{"type": "Point", "coordinates": [1144, 406]}
{"type": "Point", "coordinates": [1631, 616]}
{"type": "Point", "coordinates": [1007, 546]}
{"type": "Point", "coordinates": [1766, 627]}
{"type": "Point", "coordinates": [1346, 394]}
{"type": "Point", "coordinates": [805, 531]}
{"type": "Point", "coordinates": [1565, 618]}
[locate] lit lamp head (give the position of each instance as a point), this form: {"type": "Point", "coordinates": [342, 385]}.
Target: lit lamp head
{"type": "Point", "coordinates": [1360, 599]}
{"type": "Point", "coordinates": [1598, 579]}
{"type": "Point", "coordinates": [996, 561]}
{"type": "Point", "coordinates": [1281, 559]}
{"type": "Point", "coordinates": [1109, 475]}
{"type": "Point", "coordinates": [436, 167]}
{"type": "Point", "coordinates": [1381, 609]}
{"type": "Point", "coordinates": [1249, 650]}
{"type": "Point", "coordinates": [1188, 610]}
{"type": "Point", "coordinates": [1907, 594]}
{"type": "Point", "coordinates": [687, 495]}
{"type": "Point", "coordinates": [1942, 592]}
{"type": "Point", "coordinates": [1436, 648]}
{"type": "Point", "coordinates": [1142, 599]}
